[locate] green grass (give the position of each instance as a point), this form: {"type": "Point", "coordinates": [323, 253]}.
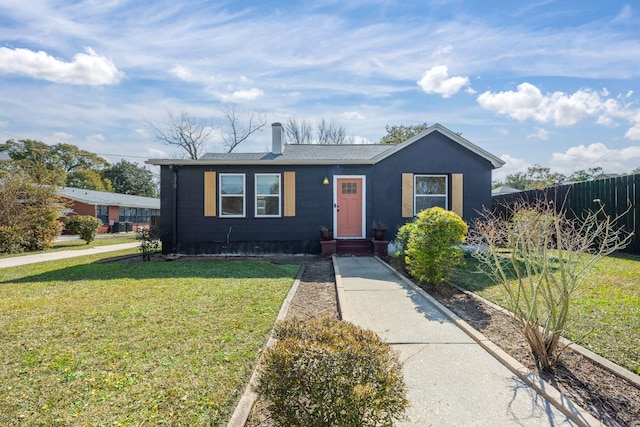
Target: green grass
{"type": "Point", "coordinates": [78, 244]}
{"type": "Point", "coordinates": [604, 312]}
{"type": "Point", "coordinates": [86, 343]}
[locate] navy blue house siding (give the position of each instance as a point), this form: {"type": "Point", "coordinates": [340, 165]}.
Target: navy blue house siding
{"type": "Point", "coordinates": [186, 229]}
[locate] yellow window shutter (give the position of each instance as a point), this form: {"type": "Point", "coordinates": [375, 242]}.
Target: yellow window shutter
{"type": "Point", "coordinates": [407, 195]}
{"type": "Point", "coordinates": [289, 194]}
{"type": "Point", "coordinates": [456, 193]}
{"type": "Point", "coordinates": [210, 193]}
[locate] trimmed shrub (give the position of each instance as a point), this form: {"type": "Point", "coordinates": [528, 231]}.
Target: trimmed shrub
{"type": "Point", "coordinates": [330, 372]}
{"type": "Point", "coordinates": [431, 244]}
{"type": "Point", "coordinates": [84, 225]}
{"type": "Point", "coordinates": [11, 240]}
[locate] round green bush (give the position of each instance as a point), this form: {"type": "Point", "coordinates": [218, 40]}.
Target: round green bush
{"type": "Point", "coordinates": [432, 249]}
{"type": "Point", "coordinates": [330, 372]}
{"type": "Point", "coordinates": [84, 225]}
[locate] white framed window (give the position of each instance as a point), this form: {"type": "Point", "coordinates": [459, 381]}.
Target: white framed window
{"type": "Point", "coordinates": [268, 195]}
{"type": "Point", "coordinates": [232, 195]}
{"type": "Point", "coordinates": [429, 191]}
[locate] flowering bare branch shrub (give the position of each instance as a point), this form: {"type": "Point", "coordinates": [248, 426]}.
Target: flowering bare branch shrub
{"type": "Point", "coordinates": [540, 257]}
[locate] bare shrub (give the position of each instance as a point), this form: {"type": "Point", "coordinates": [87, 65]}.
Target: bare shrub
{"type": "Point", "coordinates": [540, 257]}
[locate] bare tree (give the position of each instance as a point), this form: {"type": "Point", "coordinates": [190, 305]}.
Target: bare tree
{"type": "Point", "coordinates": [331, 133]}
{"type": "Point", "coordinates": [298, 132]}
{"type": "Point", "coordinates": [240, 125]}
{"type": "Point", "coordinates": [185, 132]}
{"type": "Point", "coordinates": [301, 132]}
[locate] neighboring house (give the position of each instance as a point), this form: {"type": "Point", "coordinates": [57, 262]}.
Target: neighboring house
{"type": "Point", "coordinates": [277, 201]}
{"type": "Point", "coordinates": [118, 212]}
{"type": "Point", "coordinates": [503, 189]}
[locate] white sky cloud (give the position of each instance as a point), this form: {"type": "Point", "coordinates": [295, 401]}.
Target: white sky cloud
{"type": "Point", "coordinates": [540, 134]}
{"type": "Point", "coordinates": [86, 68]}
{"type": "Point", "coordinates": [633, 133]}
{"type": "Point", "coordinates": [62, 136]}
{"type": "Point", "coordinates": [182, 72]}
{"type": "Point", "coordinates": [242, 95]}
{"type": "Point", "coordinates": [511, 165]}
{"type": "Point", "coordinates": [597, 154]}
{"type": "Point", "coordinates": [437, 81]}
{"type": "Point", "coordinates": [142, 132]}
{"type": "Point", "coordinates": [353, 115]}
{"type": "Point", "coordinates": [562, 109]}
{"type": "Point", "coordinates": [97, 138]}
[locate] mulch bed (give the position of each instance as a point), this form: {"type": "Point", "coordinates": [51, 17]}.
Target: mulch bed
{"type": "Point", "coordinates": [611, 399]}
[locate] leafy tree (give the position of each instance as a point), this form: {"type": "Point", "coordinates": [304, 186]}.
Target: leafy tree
{"type": "Point", "coordinates": [60, 164]}
{"type": "Point", "coordinates": [89, 179]}
{"type": "Point", "coordinates": [29, 210]}
{"type": "Point", "coordinates": [129, 178]}
{"type": "Point", "coordinates": [400, 133]}
{"type": "Point", "coordinates": [302, 132]}
{"type": "Point", "coordinates": [535, 177]}
{"type": "Point", "coordinates": [37, 160]}
{"type": "Point", "coordinates": [635, 171]}
{"type": "Point", "coordinates": [585, 175]}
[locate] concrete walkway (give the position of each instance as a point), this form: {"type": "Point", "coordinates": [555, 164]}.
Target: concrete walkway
{"type": "Point", "coordinates": [51, 256]}
{"type": "Point", "coordinates": [452, 380]}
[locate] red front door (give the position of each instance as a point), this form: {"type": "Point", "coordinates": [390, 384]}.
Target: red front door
{"type": "Point", "coordinates": [349, 207]}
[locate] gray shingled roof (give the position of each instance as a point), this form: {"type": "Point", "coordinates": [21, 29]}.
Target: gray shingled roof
{"type": "Point", "coordinates": [309, 152]}
{"type": "Point", "coordinates": [92, 197]}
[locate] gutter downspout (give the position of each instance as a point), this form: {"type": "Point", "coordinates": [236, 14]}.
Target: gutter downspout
{"type": "Point", "coordinates": [174, 222]}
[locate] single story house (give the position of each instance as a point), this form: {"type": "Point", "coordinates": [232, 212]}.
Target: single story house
{"type": "Point", "coordinates": [118, 212]}
{"type": "Point", "coordinates": [277, 202]}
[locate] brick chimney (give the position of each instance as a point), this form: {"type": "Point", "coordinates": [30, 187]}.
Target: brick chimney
{"type": "Point", "coordinates": [277, 138]}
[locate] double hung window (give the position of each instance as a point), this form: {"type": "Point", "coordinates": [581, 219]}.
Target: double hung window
{"type": "Point", "coordinates": [429, 191]}
{"type": "Point", "coordinates": [232, 195]}
{"type": "Point", "coordinates": [267, 195]}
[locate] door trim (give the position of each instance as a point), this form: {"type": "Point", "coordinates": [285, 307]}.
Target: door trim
{"type": "Point", "coordinates": [364, 204]}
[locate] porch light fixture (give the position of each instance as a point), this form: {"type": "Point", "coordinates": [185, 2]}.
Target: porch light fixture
{"type": "Point", "coordinates": [325, 181]}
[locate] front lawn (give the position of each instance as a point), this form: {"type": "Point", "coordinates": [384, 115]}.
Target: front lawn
{"type": "Point", "coordinates": [85, 343]}
{"type": "Point", "coordinates": [604, 313]}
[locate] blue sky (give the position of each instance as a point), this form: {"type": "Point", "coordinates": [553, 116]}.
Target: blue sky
{"type": "Point", "coordinates": [555, 83]}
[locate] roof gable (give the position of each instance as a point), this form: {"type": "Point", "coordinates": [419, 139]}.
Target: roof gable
{"type": "Point", "coordinates": [495, 161]}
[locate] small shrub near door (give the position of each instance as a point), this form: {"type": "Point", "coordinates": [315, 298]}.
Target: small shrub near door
{"type": "Point", "coordinates": [84, 225]}
{"type": "Point", "coordinates": [430, 244]}
{"type": "Point", "coordinates": [330, 372]}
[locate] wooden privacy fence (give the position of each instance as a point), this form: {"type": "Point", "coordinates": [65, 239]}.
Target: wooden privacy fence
{"type": "Point", "coordinates": [616, 194]}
